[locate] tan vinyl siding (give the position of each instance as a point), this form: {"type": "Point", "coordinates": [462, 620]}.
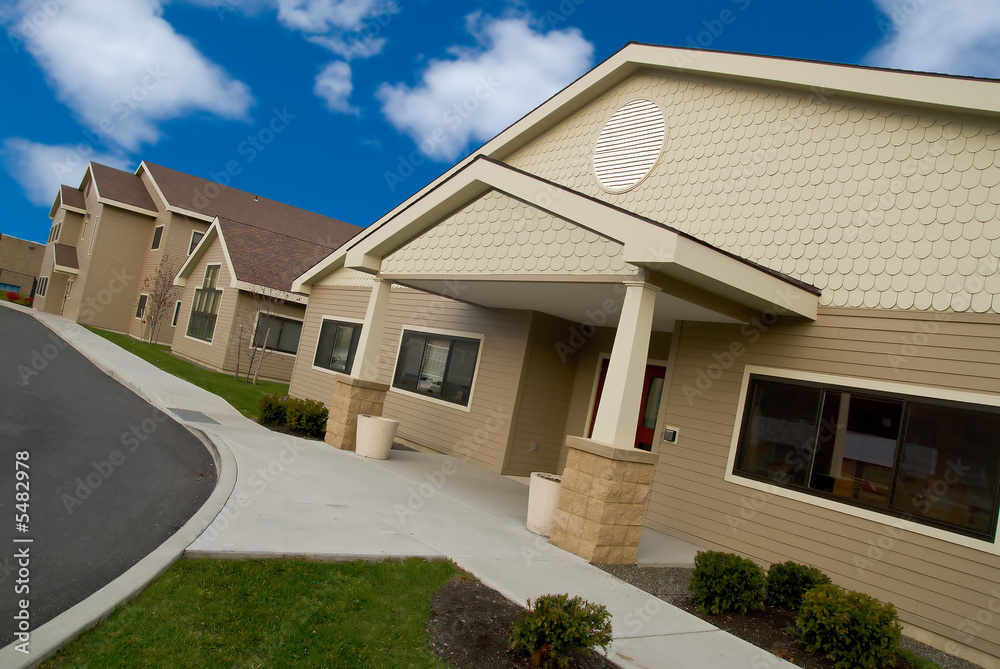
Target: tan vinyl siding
{"type": "Point", "coordinates": [210, 354]}
{"type": "Point", "coordinates": [479, 435]}
{"type": "Point", "coordinates": [937, 585]}
{"type": "Point", "coordinates": [112, 273]}
{"type": "Point", "coordinates": [42, 302]}
{"type": "Point", "coordinates": [274, 365]}
{"type": "Point", "coordinates": [544, 403]}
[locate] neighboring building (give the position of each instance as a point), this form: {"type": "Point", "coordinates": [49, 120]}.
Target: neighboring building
{"type": "Point", "coordinates": [118, 229]}
{"type": "Point", "coordinates": [780, 277]}
{"type": "Point", "coordinates": [20, 264]}
{"type": "Point", "coordinates": [237, 290]}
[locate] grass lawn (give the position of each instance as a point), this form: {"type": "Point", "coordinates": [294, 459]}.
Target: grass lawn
{"type": "Point", "coordinates": [243, 396]}
{"type": "Point", "coordinates": [271, 613]}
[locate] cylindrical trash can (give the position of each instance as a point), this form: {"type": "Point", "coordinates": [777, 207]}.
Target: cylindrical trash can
{"type": "Point", "coordinates": [375, 435]}
{"type": "Point", "coordinates": [543, 500]}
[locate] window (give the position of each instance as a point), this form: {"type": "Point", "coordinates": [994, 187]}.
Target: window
{"type": "Point", "coordinates": [338, 342]}
{"type": "Point", "coordinates": [282, 334]}
{"type": "Point", "coordinates": [204, 311]}
{"type": "Point", "coordinates": [195, 238]}
{"type": "Point", "coordinates": [54, 231]}
{"type": "Point", "coordinates": [177, 312]}
{"type": "Point", "coordinates": [140, 310]}
{"type": "Point", "coordinates": [43, 285]}
{"type": "Point", "coordinates": [157, 236]}
{"type": "Point", "coordinates": [439, 366]}
{"type": "Point", "coordinates": [930, 461]}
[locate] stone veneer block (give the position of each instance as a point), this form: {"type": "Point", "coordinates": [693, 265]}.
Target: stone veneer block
{"type": "Point", "coordinates": [352, 398]}
{"type": "Point", "coordinates": [603, 501]}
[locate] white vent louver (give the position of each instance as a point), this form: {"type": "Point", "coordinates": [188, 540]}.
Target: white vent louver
{"type": "Point", "coordinates": [629, 145]}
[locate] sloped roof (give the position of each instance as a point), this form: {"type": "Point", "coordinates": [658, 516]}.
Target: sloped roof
{"type": "Point", "coordinates": [113, 184]}
{"type": "Point", "coordinates": [65, 256]}
{"type": "Point", "coordinates": [210, 199]}
{"type": "Point", "coordinates": [72, 197]}
{"type": "Point", "coordinates": [264, 257]}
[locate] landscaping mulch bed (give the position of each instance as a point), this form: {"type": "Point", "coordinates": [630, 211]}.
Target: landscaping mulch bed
{"type": "Point", "coordinates": [764, 629]}
{"type": "Point", "coordinates": [468, 628]}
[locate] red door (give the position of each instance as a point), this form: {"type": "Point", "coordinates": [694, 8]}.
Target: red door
{"type": "Point", "coordinates": [652, 389]}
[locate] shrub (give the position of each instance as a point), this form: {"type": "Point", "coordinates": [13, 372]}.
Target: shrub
{"type": "Point", "coordinates": [555, 626]}
{"type": "Point", "coordinates": [724, 582]}
{"type": "Point", "coordinates": [13, 296]}
{"type": "Point", "coordinates": [788, 581]}
{"type": "Point", "coordinates": [850, 628]}
{"type": "Point", "coordinates": [306, 416]}
{"type": "Point", "coordinates": [29, 301]}
{"type": "Point", "coordinates": [272, 409]}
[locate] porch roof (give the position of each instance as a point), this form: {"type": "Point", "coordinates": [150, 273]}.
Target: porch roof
{"type": "Point", "coordinates": [697, 280]}
{"type": "Point", "coordinates": [65, 259]}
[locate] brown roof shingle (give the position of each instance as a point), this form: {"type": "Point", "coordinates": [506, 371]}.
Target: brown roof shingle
{"type": "Point", "coordinates": [122, 187]}
{"type": "Point", "coordinates": [65, 256]}
{"type": "Point", "coordinates": [73, 197]}
{"type": "Point", "coordinates": [212, 199]}
{"type": "Point", "coordinates": [268, 258]}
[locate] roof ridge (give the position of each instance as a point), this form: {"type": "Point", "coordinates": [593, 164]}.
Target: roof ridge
{"type": "Point", "coordinates": [278, 232]}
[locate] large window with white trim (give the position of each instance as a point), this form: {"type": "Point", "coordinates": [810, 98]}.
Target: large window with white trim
{"type": "Point", "coordinates": [437, 365]}
{"type": "Point", "coordinates": [928, 460]}
{"type": "Point", "coordinates": [338, 342]}
{"type": "Point", "coordinates": [205, 309]}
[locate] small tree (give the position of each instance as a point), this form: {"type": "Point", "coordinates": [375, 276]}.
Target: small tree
{"type": "Point", "coordinates": [159, 288]}
{"type": "Point", "coordinates": [257, 325]}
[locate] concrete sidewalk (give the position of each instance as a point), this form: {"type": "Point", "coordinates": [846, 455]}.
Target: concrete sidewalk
{"type": "Point", "coordinates": [303, 498]}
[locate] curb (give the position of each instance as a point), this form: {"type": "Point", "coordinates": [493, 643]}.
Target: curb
{"type": "Point", "coordinates": [47, 639]}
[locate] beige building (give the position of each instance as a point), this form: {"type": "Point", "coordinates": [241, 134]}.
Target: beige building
{"type": "Point", "coordinates": [750, 302]}
{"type": "Point", "coordinates": [234, 298]}
{"type": "Point", "coordinates": [20, 264]}
{"type": "Point", "coordinates": [113, 235]}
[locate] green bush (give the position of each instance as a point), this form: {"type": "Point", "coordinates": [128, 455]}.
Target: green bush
{"type": "Point", "coordinates": [788, 581]}
{"type": "Point", "coordinates": [306, 416]}
{"type": "Point", "coordinates": [555, 626]}
{"type": "Point", "coordinates": [272, 408]}
{"type": "Point", "coordinates": [723, 582]}
{"type": "Point", "coordinates": [850, 628]}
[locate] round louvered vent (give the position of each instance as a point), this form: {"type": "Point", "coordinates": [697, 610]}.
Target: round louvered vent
{"type": "Point", "coordinates": [629, 145]}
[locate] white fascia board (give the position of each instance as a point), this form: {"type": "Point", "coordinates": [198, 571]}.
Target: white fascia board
{"type": "Point", "coordinates": [188, 266]}
{"type": "Point", "coordinates": [192, 214]}
{"type": "Point", "coordinates": [65, 270]}
{"type": "Point", "coordinates": [257, 289]}
{"type": "Point", "coordinates": [127, 207]}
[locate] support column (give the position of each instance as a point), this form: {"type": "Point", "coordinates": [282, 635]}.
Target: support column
{"type": "Point", "coordinates": [618, 413]}
{"type": "Point", "coordinates": [360, 394]}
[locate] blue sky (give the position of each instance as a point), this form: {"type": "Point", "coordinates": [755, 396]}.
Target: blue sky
{"type": "Point", "coordinates": [346, 107]}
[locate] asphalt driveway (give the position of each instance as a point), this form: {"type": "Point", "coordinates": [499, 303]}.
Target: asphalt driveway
{"type": "Point", "coordinates": [109, 477]}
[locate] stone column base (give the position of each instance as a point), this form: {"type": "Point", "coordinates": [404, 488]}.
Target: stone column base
{"type": "Point", "coordinates": [603, 501]}
{"type": "Point", "coordinates": [352, 398]}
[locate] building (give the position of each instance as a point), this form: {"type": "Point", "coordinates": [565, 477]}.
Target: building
{"type": "Point", "coordinates": [241, 294]}
{"type": "Point", "coordinates": [20, 264]}
{"type": "Point", "coordinates": [112, 237]}
{"type": "Point", "coordinates": [751, 302]}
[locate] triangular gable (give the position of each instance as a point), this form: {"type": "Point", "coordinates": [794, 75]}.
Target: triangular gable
{"type": "Point", "coordinates": [496, 235]}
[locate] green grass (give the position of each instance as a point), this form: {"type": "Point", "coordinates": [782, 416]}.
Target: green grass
{"type": "Point", "coordinates": [272, 613]}
{"type": "Point", "coordinates": [918, 661]}
{"type": "Point", "coordinates": [243, 396]}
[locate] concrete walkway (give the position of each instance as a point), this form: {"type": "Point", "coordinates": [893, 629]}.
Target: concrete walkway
{"type": "Point", "coordinates": [299, 497]}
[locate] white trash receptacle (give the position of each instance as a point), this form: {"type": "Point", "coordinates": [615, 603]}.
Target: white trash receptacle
{"type": "Point", "coordinates": [375, 435]}
{"type": "Point", "coordinates": [543, 500]}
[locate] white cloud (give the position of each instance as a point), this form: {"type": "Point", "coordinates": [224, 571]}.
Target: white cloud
{"type": "Point", "coordinates": [42, 168]}
{"type": "Point", "coordinates": [334, 85]}
{"type": "Point", "coordinates": [941, 36]}
{"type": "Point", "coordinates": [123, 69]}
{"type": "Point", "coordinates": [321, 16]}
{"type": "Point", "coordinates": [480, 91]}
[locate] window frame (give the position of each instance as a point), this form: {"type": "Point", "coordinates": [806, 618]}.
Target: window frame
{"type": "Point", "coordinates": [157, 238]}
{"type": "Point", "coordinates": [887, 518]}
{"type": "Point", "coordinates": [419, 329]}
{"type": "Point", "coordinates": [177, 314]}
{"type": "Point", "coordinates": [194, 301]}
{"type": "Point", "coordinates": [192, 245]}
{"type": "Point", "coordinates": [335, 319]}
{"type": "Point", "coordinates": [256, 324]}
{"type": "Point", "coordinates": [43, 286]}
{"type": "Point", "coordinates": [140, 307]}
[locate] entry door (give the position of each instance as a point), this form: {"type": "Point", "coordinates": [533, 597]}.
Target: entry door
{"type": "Point", "coordinates": [652, 391]}
{"type": "Point", "coordinates": [69, 289]}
